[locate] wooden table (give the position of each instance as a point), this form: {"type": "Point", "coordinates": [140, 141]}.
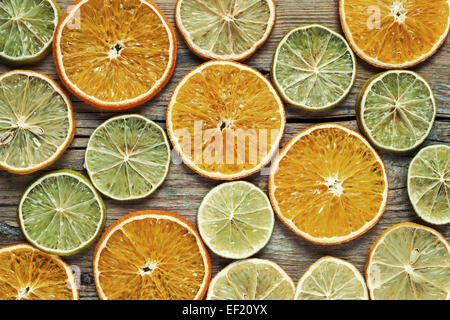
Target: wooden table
{"type": "Point", "coordinates": [183, 190]}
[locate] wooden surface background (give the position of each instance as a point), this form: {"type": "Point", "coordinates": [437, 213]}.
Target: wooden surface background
{"type": "Point", "coordinates": [183, 190]}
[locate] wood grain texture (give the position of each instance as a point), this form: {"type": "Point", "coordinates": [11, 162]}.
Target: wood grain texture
{"type": "Point", "coordinates": [183, 190]}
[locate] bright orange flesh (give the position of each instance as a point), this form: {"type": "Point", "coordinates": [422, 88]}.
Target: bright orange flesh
{"type": "Point", "coordinates": [390, 33]}
{"type": "Point", "coordinates": [29, 274]}
{"type": "Point", "coordinates": [115, 54]}
{"type": "Point", "coordinates": [151, 255]}
{"type": "Point", "coordinates": [328, 185]}
{"type": "Point", "coordinates": [225, 120]}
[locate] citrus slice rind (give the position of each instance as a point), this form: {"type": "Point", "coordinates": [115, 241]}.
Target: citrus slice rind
{"type": "Point", "coordinates": [104, 67]}
{"type": "Point", "coordinates": [128, 157]}
{"type": "Point", "coordinates": [417, 30]}
{"type": "Point", "coordinates": [213, 31]}
{"type": "Point", "coordinates": [331, 278]}
{"type": "Point", "coordinates": [409, 262]}
{"type": "Point", "coordinates": [319, 202]}
{"type": "Point", "coordinates": [157, 251]}
{"type": "Point", "coordinates": [313, 68]}
{"type": "Point", "coordinates": [27, 34]}
{"type": "Point", "coordinates": [235, 220]}
{"type": "Point", "coordinates": [248, 104]}
{"type": "Point", "coordinates": [61, 213]}
{"type": "Point", "coordinates": [251, 279]}
{"type": "Point", "coordinates": [429, 184]}
{"type": "Point", "coordinates": [29, 274]}
{"type": "Point", "coordinates": [396, 110]}
{"type": "Point", "coordinates": [36, 121]}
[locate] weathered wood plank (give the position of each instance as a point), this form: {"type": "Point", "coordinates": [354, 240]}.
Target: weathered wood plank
{"type": "Point", "coordinates": [291, 252]}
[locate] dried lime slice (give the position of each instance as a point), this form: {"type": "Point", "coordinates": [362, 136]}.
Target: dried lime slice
{"type": "Point", "coordinates": [409, 262]}
{"type": "Point", "coordinates": [252, 279]}
{"type": "Point", "coordinates": [26, 29]}
{"type": "Point", "coordinates": [128, 157]}
{"type": "Point", "coordinates": [396, 110]}
{"type": "Point", "coordinates": [36, 121]}
{"type": "Point", "coordinates": [224, 29]}
{"type": "Point", "coordinates": [236, 220]}
{"type": "Point", "coordinates": [313, 68]}
{"type": "Point", "coordinates": [331, 278]}
{"type": "Point", "coordinates": [61, 213]}
{"type": "Point", "coordinates": [429, 184]}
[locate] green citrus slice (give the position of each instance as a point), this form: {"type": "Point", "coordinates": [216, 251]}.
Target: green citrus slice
{"type": "Point", "coordinates": [331, 278]}
{"type": "Point", "coordinates": [409, 262]}
{"type": "Point", "coordinates": [313, 68]}
{"type": "Point", "coordinates": [252, 279]}
{"type": "Point", "coordinates": [396, 110]}
{"type": "Point", "coordinates": [36, 121]}
{"type": "Point", "coordinates": [26, 29]}
{"type": "Point", "coordinates": [429, 184]}
{"type": "Point", "coordinates": [128, 157]}
{"type": "Point", "coordinates": [236, 220]}
{"type": "Point", "coordinates": [61, 213]}
{"type": "Point", "coordinates": [223, 29]}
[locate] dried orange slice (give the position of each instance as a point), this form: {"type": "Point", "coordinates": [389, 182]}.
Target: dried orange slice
{"type": "Point", "coordinates": [328, 184]}
{"type": "Point", "coordinates": [225, 120]}
{"type": "Point", "coordinates": [151, 255]}
{"type": "Point", "coordinates": [29, 274]}
{"type": "Point", "coordinates": [395, 33]}
{"type": "Point", "coordinates": [114, 54]}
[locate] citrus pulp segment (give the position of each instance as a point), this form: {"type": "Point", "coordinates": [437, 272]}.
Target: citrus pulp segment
{"type": "Point", "coordinates": [225, 120]}
{"type": "Point", "coordinates": [409, 262]}
{"type": "Point", "coordinates": [26, 29]}
{"type": "Point", "coordinates": [128, 157]}
{"type": "Point", "coordinates": [223, 29]}
{"type": "Point", "coordinates": [429, 184]}
{"type": "Point", "coordinates": [396, 110]}
{"type": "Point", "coordinates": [151, 255]}
{"type": "Point", "coordinates": [36, 121]}
{"type": "Point", "coordinates": [235, 220]}
{"type": "Point", "coordinates": [331, 278]}
{"type": "Point", "coordinates": [313, 68]}
{"type": "Point", "coordinates": [251, 279]}
{"type": "Point", "coordinates": [328, 184]}
{"type": "Point", "coordinates": [61, 213]}
{"type": "Point", "coordinates": [395, 33]}
{"type": "Point", "coordinates": [114, 54]}
{"type": "Point", "coordinates": [29, 274]}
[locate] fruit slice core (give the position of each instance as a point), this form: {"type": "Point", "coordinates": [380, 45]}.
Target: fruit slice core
{"type": "Point", "coordinates": [328, 185]}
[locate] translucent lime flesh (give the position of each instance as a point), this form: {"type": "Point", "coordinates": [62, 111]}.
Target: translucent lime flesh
{"type": "Point", "coordinates": [26, 28]}
{"type": "Point", "coordinates": [35, 121]}
{"type": "Point", "coordinates": [236, 220]}
{"type": "Point", "coordinates": [429, 184]}
{"type": "Point", "coordinates": [313, 68]}
{"type": "Point", "coordinates": [410, 263]}
{"type": "Point", "coordinates": [252, 279]}
{"type": "Point", "coordinates": [397, 111]}
{"type": "Point", "coordinates": [224, 28]}
{"type": "Point", "coordinates": [329, 279]}
{"type": "Point", "coordinates": [61, 213]}
{"type": "Point", "coordinates": [128, 157]}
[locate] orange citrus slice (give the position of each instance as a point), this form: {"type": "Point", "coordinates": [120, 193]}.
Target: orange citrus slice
{"type": "Point", "coordinates": [29, 274]}
{"type": "Point", "coordinates": [225, 120]}
{"type": "Point", "coordinates": [114, 54]}
{"type": "Point", "coordinates": [151, 255]}
{"type": "Point", "coordinates": [395, 33]}
{"type": "Point", "coordinates": [328, 184]}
